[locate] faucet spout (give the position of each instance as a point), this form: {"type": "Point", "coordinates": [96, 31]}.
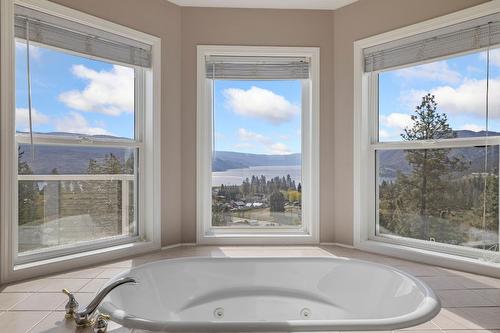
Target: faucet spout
{"type": "Point", "coordinates": [83, 315]}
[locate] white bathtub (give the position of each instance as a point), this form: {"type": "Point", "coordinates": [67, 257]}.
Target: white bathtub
{"type": "Point", "coordinates": [270, 294]}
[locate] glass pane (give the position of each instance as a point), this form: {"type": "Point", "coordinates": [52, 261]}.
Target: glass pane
{"type": "Point", "coordinates": [68, 195]}
{"type": "Point", "coordinates": [73, 95]}
{"type": "Point", "coordinates": [454, 87]}
{"type": "Point", "coordinates": [440, 195]}
{"type": "Point", "coordinates": [256, 178]}
{"type": "Point", "coordinates": [75, 160]}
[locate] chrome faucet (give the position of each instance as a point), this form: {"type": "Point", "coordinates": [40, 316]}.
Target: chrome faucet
{"type": "Point", "coordinates": [84, 316]}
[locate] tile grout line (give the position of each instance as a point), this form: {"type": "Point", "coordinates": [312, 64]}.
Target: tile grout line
{"type": "Point", "coordinates": [38, 322]}
{"type": "Point", "coordinates": [22, 300]}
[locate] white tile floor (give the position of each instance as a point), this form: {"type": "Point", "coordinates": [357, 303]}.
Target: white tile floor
{"type": "Point", "coordinates": [471, 303]}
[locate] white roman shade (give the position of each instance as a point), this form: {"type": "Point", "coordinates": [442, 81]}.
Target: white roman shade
{"type": "Point", "coordinates": [467, 36]}
{"type": "Point", "coordinates": [257, 68]}
{"type": "Point", "coordinates": [73, 36]}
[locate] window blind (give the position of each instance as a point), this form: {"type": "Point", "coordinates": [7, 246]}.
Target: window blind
{"type": "Point", "coordinates": [73, 36]}
{"type": "Point", "coordinates": [257, 68]}
{"type": "Point", "coordinates": [466, 36]}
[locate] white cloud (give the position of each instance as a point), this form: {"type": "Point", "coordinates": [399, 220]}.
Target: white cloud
{"type": "Point", "coordinates": [396, 120]}
{"type": "Point", "coordinates": [108, 92]}
{"type": "Point", "coordinates": [383, 134]}
{"type": "Point", "coordinates": [260, 103]}
{"type": "Point", "coordinates": [494, 57]}
{"type": "Point", "coordinates": [76, 123]}
{"type": "Point", "coordinates": [279, 148]}
{"type": "Point", "coordinates": [220, 136]}
{"type": "Point", "coordinates": [466, 99]}
{"type": "Point", "coordinates": [473, 127]}
{"type": "Point", "coordinates": [249, 139]}
{"type": "Point", "coordinates": [436, 71]}
{"type": "Point", "coordinates": [22, 118]}
{"type": "Point", "coordinates": [35, 51]}
{"type": "Point", "coordinates": [285, 137]}
{"type": "Point", "coordinates": [246, 135]}
{"type": "Point", "coordinates": [243, 145]}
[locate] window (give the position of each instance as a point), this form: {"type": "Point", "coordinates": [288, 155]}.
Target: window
{"type": "Point", "coordinates": [82, 131]}
{"type": "Point", "coordinates": [432, 146]}
{"type": "Point", "coordinates": [256, 155]}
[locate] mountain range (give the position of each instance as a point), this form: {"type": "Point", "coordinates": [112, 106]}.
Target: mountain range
{"type": "Point", "coordinates": [225, 160]}
{"type": "Point", "coordinates": [75, 159]}
{"type": "Point", "coordinates": [393, 161]}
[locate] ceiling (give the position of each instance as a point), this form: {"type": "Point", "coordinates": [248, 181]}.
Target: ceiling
{"type": "Point", "coordinates": [282, 4]}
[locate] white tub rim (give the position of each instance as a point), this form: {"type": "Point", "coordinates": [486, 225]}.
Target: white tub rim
{"type": "Point", "coordinates": [430, 307]}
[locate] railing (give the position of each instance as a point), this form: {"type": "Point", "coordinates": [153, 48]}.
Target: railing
{"type": "Point", "coordinates": [124, 178]}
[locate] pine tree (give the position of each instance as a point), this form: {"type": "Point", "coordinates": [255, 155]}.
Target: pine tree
{"type": "Point", "coordinates": [277, 202]}
{"type": "Point", "coordinates": [429, 165]}
{"type": "Point", "coordinates": [112, 164]}
{"type": "Point", "coordinates": [27, 192]}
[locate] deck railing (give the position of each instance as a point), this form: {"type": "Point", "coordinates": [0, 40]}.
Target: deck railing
{"type": "Point", "coordinates": [125, 190]}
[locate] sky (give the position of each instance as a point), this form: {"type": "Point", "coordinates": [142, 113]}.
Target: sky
{"type": "Point", "coordinates": [79, 95]}
{"type": "Point", "coordinates": [74, 94]}
{"type": "Point", "coordinates": [459, 86]}
{"type": "Point", "coordinates": [260, 117]}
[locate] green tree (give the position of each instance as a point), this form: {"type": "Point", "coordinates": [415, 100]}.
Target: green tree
{"type": "Point", "coordinates": [245, 187]}
{"type": "Point", "coordinates": [93, 167]}
{"type": "Point", "coordinates": [112, 165]}
{"type": "Point", "coordinates": [429, 166]}
{"type": "Point", "coordinates": [277, 202]}
{"type": "Point", "coordinates": [27, 192]}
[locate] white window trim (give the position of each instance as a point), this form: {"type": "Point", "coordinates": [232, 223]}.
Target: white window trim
{"type": "Point", "coordinates": [309, 233]}
{"type": "Point", "coordinates": [149, 238]}
{"type": "Point", "coordinates": [365, 146]}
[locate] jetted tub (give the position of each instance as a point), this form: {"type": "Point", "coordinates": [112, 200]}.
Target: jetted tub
{"type": "Point", "coordinates": [269, 294]}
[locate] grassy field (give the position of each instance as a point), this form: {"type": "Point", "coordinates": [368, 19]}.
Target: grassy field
{"type": "Point", "coordinates": [263, 216]}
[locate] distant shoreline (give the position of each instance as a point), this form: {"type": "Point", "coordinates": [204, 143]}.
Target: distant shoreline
{"type": "Point", "coordinates": [237, 175]}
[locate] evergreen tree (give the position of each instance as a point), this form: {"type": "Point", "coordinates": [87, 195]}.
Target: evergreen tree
{"type": "Point", "coordinates": [277, 202]}
{"type": "Point", "coordinates": [93, 167]}
{"type": "Point", "coordinates": [112, 164]}
{"type": "Point", "coordinates": [429, 166]}
{"type": "Point", "coordinates": [27, 192]}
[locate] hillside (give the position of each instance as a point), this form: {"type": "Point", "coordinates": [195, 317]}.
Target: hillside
{"type": "Point", "coordinates": [75, 159]}
{"type": "Point", "coordinates": [225, 160]}
{"type": "Point", "coordinates": [392, 161]}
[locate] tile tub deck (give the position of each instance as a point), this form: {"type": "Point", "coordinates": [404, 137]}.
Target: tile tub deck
{"type": "Point", "coordinates": [471, 303]}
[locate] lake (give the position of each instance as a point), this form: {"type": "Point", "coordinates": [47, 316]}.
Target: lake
{"type": "Point", "coordinates": [237, 176]}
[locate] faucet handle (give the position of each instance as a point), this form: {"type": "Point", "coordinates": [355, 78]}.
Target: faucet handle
{"type": "Point", "coordinates": [72, 304]}
{"type": "Point", "coordinates": [101, 324]}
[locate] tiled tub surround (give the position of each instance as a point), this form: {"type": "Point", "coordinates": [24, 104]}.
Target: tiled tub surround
{"type": "Point", "coordinates": [471, 303]}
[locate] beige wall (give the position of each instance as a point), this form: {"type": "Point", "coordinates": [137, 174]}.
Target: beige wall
{"type": "Point", "coordinates": [334, 32]}
{"type": "Point", "coordinates": [162, 19]}
{"type": "Point", "coordinates": [359, 20]}
{"type": "Point", "coordinates": [253, 27]}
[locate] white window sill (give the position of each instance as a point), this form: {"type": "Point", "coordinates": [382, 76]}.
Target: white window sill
{"type": "Point", "coordinates": [441, 259]}
{"type": "Point", "coordinates": [79, 260]}
{"type": "Point", "coordinates": [252, 237]}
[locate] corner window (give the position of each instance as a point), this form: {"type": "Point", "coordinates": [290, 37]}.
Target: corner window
{"type": "Point", "coordinates": [257, 115]}
{"type": "Point", "coordinates": [82, 132]}
{"type": "Point", "coordinates": [433, 142]}
{"type": "Point", "coordinates": [67, 193]}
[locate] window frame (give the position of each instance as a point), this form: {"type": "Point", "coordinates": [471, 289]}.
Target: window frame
{"type": "Point", "coordinates": [365, 214]}
{"type": "Point", "coordinates": [308, 233]}
{"type": "Point", "coordinates": [146, 141]}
